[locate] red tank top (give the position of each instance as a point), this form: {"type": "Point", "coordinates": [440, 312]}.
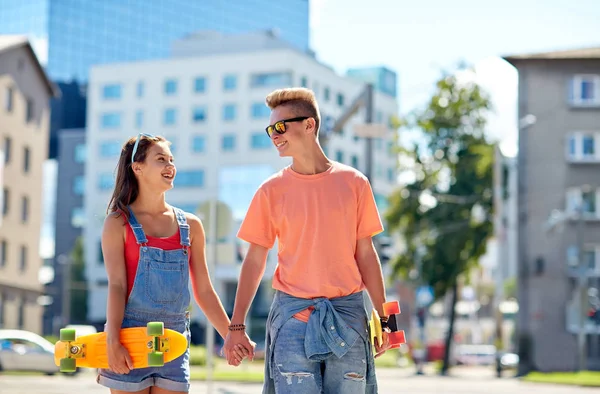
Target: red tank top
{"type": "Point", "coordinates": [132, 251]}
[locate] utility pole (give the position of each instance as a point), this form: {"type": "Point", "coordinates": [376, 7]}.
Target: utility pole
{"type": "Point", "coordinates": [65, 262]}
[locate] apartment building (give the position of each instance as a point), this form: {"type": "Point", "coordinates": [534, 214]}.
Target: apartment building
{"type": "Point", "coordinates": [25, 92]}
{"type": "Point", "coordinates": [558, 177]}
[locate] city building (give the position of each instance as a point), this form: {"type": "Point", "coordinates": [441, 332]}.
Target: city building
{"type": "Point", "coordinates": [69, 217]}
{"type": "Point", "coordinates": [210, 102]}
{"type": "Point", "coordinates": [71, 36]}
{"type": "Point", "coordinates": [25, 91]}
{"type": "Point", "coordinates": [558, 163]}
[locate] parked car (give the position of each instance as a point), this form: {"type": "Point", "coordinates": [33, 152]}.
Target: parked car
{"type": "Point", "coordinates": [26, 351]}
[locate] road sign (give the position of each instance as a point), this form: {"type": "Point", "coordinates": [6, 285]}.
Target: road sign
{"type": "Point", "coordinates": [370, 130]}
{"type": "Point", "coordinates": [424, 296]}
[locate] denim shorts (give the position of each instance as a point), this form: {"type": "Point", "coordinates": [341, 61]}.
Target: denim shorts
{"type": "Point", "coordinates": [294, 373]}
{"type": "Point", "coordinates": [174, 375]}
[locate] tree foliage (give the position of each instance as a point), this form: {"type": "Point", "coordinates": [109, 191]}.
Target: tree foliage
{"type": "Point", "coordinates": [444, 214]}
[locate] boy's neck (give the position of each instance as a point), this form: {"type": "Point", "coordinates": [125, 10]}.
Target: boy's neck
{"type": "Point", "coordinates": [312, 161]}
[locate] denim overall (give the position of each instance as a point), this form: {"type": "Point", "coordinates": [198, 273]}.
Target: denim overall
{"type": "Point", "coordinates": [160, 293]}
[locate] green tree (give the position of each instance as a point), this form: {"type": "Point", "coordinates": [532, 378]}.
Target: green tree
{"type": "Point", "coordinates": [79, 291]}
{"type": "Point", "coordinates": [445, 213]}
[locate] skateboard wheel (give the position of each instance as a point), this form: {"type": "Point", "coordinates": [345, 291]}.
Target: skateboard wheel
{"type": "Point", "coordinates": [68, 365]}
{"type": "Point", "coordinates": [397, 337]}
{"type": "Point", "coordinates": [155, 329]}
{"type": "Point", "coordinates": [67, 334]}
{"type": "Point", "coordinates": [391, 308]}
{"type": "Point", "coordinates": [156, 359]}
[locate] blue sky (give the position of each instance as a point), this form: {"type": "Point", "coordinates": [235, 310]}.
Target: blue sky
{"type": "Point", "coordinates": [419, 38]}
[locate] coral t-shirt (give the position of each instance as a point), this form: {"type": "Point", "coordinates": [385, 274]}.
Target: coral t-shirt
{"type": "Point", "coordinates": [317, 220]}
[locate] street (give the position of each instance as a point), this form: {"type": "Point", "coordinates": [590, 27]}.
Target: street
{"type": "Point", "coordinates": [467, 381]}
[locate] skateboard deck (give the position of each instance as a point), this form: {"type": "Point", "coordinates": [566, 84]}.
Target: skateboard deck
{"type": "Point", "coordinates": [392, 312]}
{"type": "Point", "coordinates": [150, 346]}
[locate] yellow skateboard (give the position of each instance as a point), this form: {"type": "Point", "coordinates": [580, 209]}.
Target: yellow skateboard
{"type": "Point", "coordinates": [392, 312]}
{"type": "Point", "coordinates": [150, 346]}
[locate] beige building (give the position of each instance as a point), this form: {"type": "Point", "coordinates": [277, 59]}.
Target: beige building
{"type": "Point", "coordinates": [25, 93]}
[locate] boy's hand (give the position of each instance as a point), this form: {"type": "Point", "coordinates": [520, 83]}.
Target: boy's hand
{"type": "Point", "coordinates": [380, 348]}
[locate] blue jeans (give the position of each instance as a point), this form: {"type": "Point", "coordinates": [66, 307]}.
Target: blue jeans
{"type": "Point", "coordinates": [295, 373]}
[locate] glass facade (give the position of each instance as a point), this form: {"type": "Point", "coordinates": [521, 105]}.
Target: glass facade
{"type": "Point", "coordinates": [76, 34]}
{"type": "Point", "coordinates": [383, 79]}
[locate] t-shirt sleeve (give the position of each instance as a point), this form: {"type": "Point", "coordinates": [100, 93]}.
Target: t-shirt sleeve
{"type": "Point", "coordinates": [257, 226]}
{"type": "Point", "coordinates": [369, 222]}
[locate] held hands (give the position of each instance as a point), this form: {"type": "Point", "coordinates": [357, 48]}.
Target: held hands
{"type": "Point", "coordinates": [237, 347]}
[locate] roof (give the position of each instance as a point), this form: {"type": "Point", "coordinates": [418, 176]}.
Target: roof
{"type": "Point", "coordinates": [570, 54]}
{"type": "Point", "coordinates": [9, 42]}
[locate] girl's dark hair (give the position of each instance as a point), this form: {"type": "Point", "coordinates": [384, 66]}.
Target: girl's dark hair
{"type": "Point", "coordinates": [126, 185]}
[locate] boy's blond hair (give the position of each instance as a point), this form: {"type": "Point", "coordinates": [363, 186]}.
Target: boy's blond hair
{"type": "Point", "coordinates": [300, 100]}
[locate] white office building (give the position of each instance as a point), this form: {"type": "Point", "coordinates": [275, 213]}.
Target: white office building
{"type": "Point", "coordinates": [208, 98]}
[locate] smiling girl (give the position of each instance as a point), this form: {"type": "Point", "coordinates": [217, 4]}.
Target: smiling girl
{"type": "Point", "coordinates": [152, 250]}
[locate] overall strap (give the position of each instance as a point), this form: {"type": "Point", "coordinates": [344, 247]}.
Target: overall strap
{"type": "Point", "coordinates": [184, 228]}
{"type": "Point", "coordinates": [140, 236]}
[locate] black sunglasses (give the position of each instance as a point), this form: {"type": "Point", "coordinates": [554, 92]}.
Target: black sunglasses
{"type": "Point", "coordinates": [279, 127]}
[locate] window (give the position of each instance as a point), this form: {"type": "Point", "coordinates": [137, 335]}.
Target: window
{"type": "Point", "coordinates": [80, 153]}
{"type": "Point", "coordinates": [326, 94]}
{"type": "Point", "coordinates": [304, 82]}
{"type": "Point", "coordinates": [170, 87]}
{"type": "Point", "coordinates": [585, 199]}
{"type": "Point", "coordinates": [199, 143]}
{"type": "Point", "coordinates": [111, 91]}
{"type": "Point", "coordinates": [140, 89]}
{"type": "Point", "coordinates": [139, 119]}
{"type": "Point", "coordinates": [7, 149]}
{"type": "Point", "coordinates": [110, 120]}
{"type": "Point", "coordinates": [77, 217]}
{"type": "Point", "coordinates": [23, 260]}
{"type": "Point", "coordinates": [581, 147]}
{"type": "Point", "coordinates": [189, 178]}
{"type": "Point", "coordinates": [26, 159]}
{"type": "Point", "coordinates": [3, 252]}
{"type": "Point", "coordinates": [260, 111]}
{"type": "Point", "coordinates": [229, 82]}
{"type": "Point", "coordinates": [391, 175]}
{"type": "Point", "coordinates": [24, 209]}
{"type": "Point", "coordinates": [169, 117]}
{"type": "Point", "coordinates": [277, 79]}
{"type": "Point", "coordinates": [110, 149]}
{"type": "Point", "coordinates": [228, 142]}
{"type": "Point", "coordinates": [105, 181]}
{"type": "Point", "coordinates": [29, 111]}
{"type": "Point", "coordinates": [79, 185]}
{"type": "Point", "coordinates": [5, 201]}
{"type": "Point", "coordinates": [229, 111]}
{"type": "Point", "coordinates": [585, 90]}
{"type": "Point", "coordinates": [200, 85]}
{"type": "Point", "coordinates": [260, 140]}
{"type": "Point", "coordinates": [9, 99]}
{"type": "Point", "coordinates": [354, 161]}
{"type": "Point", "coordinates": [340, 99]}
{"type": "Point", "coordinates": [199, 114]}
{"type": "Point", "coordinates": [339, 156]}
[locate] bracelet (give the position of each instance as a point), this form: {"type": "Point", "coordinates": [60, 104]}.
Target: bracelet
{"type": "Point", "coordinates": [237, 327]}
